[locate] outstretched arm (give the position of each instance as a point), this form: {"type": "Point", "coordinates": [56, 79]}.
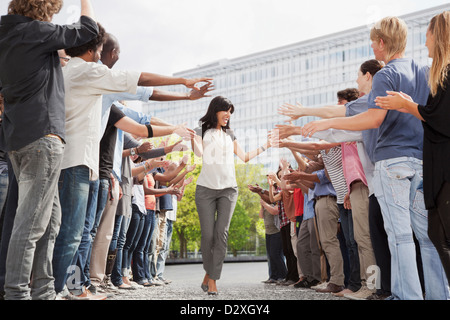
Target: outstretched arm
{"type": "Point", "coordinates": [154, 80]}
{"type": "Point", "coordinates": [298, 111]}
{"type": "Point", "coordinates": [194, 94]}
{"type": "Point", "coordinates": [246, 157]}
{"type": "Point", "coordinates": [371, 119]}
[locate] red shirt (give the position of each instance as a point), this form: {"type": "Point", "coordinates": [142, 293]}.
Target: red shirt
{"type": "Point", "coordinates": [298, 200]}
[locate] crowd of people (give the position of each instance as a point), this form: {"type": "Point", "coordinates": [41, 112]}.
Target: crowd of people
{"type": "Point", "coordinates": [89, 203]}
{"type": "Point", "coordinates": [86, 203]}
{"type": "Point", "coordinates": [365, 214]}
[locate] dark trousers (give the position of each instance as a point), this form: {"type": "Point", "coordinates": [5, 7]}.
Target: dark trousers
{"type": "Point", "coordinates": [8, 222]}
{"type": "Point", "coordinates": [354, 275]}
{"type": "Point", "coordinates": [439, 227]}
{"type": "Point", "coordinates": [291, 260]}
{"type": "Point", "coordinates": [380, 245]}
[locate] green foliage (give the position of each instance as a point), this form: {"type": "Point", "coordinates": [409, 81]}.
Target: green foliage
{"type": "Point", "coordinates": [238, 233]}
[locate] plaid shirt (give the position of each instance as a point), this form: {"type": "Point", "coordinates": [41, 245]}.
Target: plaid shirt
{"type": "Point", "coordinates": [283, 218]}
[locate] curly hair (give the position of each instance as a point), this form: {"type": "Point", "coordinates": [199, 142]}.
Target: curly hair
{"type": "Point", "coordinates": [91, 45]}
{"type": "Point", "coordinates": [42, 10]}
{"type": "Point", "coordinates": [348, 94]}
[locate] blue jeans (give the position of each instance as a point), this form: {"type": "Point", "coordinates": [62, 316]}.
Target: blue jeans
{"type": "Point", "coordinates": [84, 249]}
{"type": "Point", "coordinates": [117, 242]}
{"type": "Point", "coordinates": [38, 216]}
{"type": "Point", "coordinates": [354, 276]}
{"type": "Point", "coordinates": [398, 188]}
{"type": "Point", "coordinates": [133, 235]}
{"type": "Point", "coordinates": [141, 266]}
{"type": "Point", "coordinates": [74, 193]}
{"type": "Point", "coordinates": [274, 248]}
{"type": "Point", "coordinates": [97, 206]}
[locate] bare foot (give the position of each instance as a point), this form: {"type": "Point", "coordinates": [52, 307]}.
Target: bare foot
{"type": "Point", "coordinates": [206, 279]}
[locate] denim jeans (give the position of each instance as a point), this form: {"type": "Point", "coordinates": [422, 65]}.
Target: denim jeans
{"type": "Point", "coordinates": [38, 216]}
{"type": "Point", "coordinates": [398, 188]}
{"type": "Point", "coordinates": [141, 266]}
{"type": "Point", "coordinates": [274, 248]}
{"type": "Point", "coordinates": [354, 276]}
{"type": "Point", "coordinates": [3, 191]}
{"type": "Point", "coordinates": [84, 248]}
{"type": "Point", "coordinates": [133, 235]}
{"type": "Point", "coordinates": [74, 193]}
{"type": "Point", "coordinates": [8, 222]}
{"type": "Point", "coordinates": [98, 195]}
{"type": "Point", "coordinates": [117, 242]}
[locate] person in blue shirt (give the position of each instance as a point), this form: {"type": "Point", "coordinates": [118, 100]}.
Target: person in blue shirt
{"type": "Point", "coordinates": [398, 164]}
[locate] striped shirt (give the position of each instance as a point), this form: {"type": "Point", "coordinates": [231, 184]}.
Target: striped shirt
{"type": "Point", "coordinates": [333, 164]}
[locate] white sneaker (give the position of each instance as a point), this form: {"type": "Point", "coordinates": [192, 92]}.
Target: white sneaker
{"type": "Point", "coordinates": [321, 285]}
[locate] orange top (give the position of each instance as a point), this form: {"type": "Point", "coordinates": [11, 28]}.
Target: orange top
{"type": "Point", "coordinates": [150, 200]}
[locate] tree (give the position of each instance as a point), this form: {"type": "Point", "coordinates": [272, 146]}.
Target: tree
{"type": "Point", "coordinates": [239, 228]}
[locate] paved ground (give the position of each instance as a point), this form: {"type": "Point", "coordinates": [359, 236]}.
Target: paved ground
{"type": "Point", "coordinates": [239, 281]}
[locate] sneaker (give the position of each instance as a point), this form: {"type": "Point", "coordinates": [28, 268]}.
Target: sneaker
{"type": "Point", "coordinates": [87, 295]}
{"type": "Point", "coordinates": [361, 294]}
{"type": "Point", "coordinates": [156, 282]}
{"type": "Point", "coordinates": [166, 281]}
{"type": "Point", "coordinates": [306, 284]}
{"type": "Point", "coordinates": [270, 281]}
{"type": "Point", "coordinates": [320, 285]}
{"type": "Point", "coordinates": [66, 295]}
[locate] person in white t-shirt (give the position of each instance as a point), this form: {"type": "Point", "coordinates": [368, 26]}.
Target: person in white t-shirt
{"type": "Point", "coordinates": [216, 189]}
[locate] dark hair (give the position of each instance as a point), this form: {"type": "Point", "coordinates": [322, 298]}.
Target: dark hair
{"type": "Point", "coordinates": [372, 66]}
{"type": "Point", "coordinates": [91, 45]}
{"type": "Point", "coordinates": [209, 120]}
{"type": "Point", "coordinates": [349, 94]}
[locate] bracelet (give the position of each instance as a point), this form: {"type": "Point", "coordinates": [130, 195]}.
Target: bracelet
{"type": "Point", "coordinates": [149, 131]}
{"type": "Point", "coordinates": [146, 168]}
{"type": "Point", "coordinates": [263, 149]}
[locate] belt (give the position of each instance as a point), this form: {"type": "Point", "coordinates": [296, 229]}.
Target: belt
{"type": "Point", "coordinates": [54, 136]}
{"type": "Point", "coordinates": [327, 196]}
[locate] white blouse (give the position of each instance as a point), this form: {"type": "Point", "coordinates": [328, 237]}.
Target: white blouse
{"type": "Point", "coordinates": [218, 171]}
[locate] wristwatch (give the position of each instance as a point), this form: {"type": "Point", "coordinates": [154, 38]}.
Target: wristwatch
{"type": "Point", "coordinates": [133, 151]}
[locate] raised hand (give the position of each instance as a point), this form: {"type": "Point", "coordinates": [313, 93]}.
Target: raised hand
{"type": "Point", "coordinates": [285, 130]}
{"type": "Point", "coordinates": [191, 83]}
{"type": "Point", "coordinates": [198, 93]}
{"type": "Point", "coordinates": [145, 147]}
{"type": "Point", "coordinates": [184, 132]}
{"type": "Point", "coordinates": [289, 110]}
{"type": "Point", "coordinates": [310, 128]}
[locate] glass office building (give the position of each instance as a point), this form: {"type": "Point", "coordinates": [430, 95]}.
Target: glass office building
{"type": "Point", "coordinates": [310, 72]}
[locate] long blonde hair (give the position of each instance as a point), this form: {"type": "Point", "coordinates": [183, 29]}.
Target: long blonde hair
{"type": "Point", "coordinates": [440, 29]}
{"type": "Point", "coordinates": [42, 10]}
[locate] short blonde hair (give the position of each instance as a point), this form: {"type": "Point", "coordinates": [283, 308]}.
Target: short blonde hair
{"type": "Point", "coordinates": [42, 10]}
{"type": "Point", "coordinates": [394, 33]}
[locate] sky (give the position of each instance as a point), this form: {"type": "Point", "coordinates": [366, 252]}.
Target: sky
{"type": "Point", "coordinates": [169, 36]}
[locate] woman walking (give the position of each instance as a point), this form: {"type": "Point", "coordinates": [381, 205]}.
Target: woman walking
{"type": "Point", "coordinates": [216, 186]}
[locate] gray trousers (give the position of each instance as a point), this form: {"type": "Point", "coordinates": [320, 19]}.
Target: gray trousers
{"type": "Point", "coordinates": [214, 227]}
{"type": "Point", "coordinates": [37, 167]}
{"type": "Point", "coordinates": [308, 250]}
